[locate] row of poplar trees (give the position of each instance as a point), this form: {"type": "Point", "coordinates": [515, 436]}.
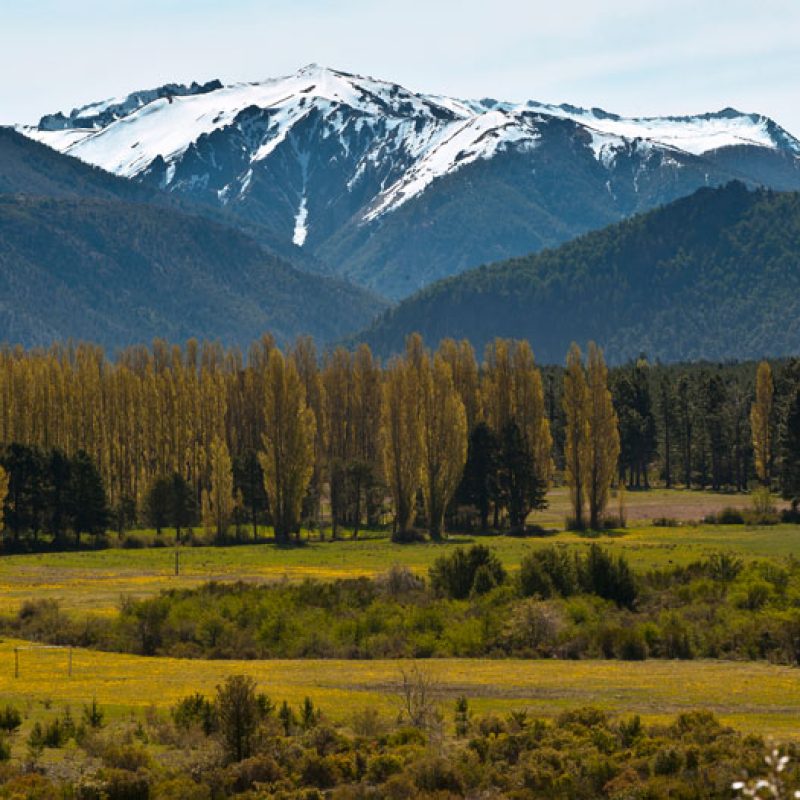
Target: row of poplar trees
{"type": "Point", "coordinates": [287, 430]}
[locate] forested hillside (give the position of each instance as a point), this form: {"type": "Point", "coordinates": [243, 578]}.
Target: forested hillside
{"type": "Point", "coordinates": [86, 254]}
{"type": "Point", "coordinates": [711, 276]}
{"type": "Point", "coordinates": [122, 273]}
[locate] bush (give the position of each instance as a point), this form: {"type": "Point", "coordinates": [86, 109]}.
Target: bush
{"type": "Point", "coordinates": [454, 575]}
{"type": "Point", "coordinates": [632, 645]}
{"type": "Point", "coordinates": [10, 719]}
{"type": "Point", "coordinates": [548, 572]}
{"type": "Point", "coordinates": [195, 710]}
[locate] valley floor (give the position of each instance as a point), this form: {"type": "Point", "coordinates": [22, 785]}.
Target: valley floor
{"type": "Point", "coordinates": [751, 696]}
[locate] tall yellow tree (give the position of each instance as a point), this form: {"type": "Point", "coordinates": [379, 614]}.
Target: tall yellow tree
{"type": "Point", "coordinates": [288, 451]}
{"type": "Point", "coordinates": [3, 493]}
{"type": "Point", "coordinates": [337, 381]}
{"type": "Point", "coordinates": [460, 356]}
{"type": "Point", "coordinates": [444, 439]}
{"type": "Point", "coordinates": [761, 423]}
{"type": "Point", "coordinates": [220, 495]}
{"type": "Point", "coordinates": [575, 401]}
{"type": "Point", "coordinates": [603, 436]}
{"type": "Point", "coordinates": [402, 440]}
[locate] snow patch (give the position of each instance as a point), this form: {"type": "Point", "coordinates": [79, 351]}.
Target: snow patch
{"type": "Point", "coordinates": [300, 224]}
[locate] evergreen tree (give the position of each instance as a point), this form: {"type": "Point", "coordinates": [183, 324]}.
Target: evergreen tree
{"type": "Point", "coordinates": [790, 454]}
{"type": "Point", "coordinates": [158, 504]}
{"type": "Point", "coordinates": [181, 504]}
{"type": "Point", "coordinates": [88, 500]}
{"type": "Point", "coordinates": [3, 493]}
{"type": "Point", "coordinates": [59, 470]}
{"type": "Point", "coordinates": [522, 489]}
{"type": "Point", "coordinates": [25, 503]}
{"type": "Point", "coordinates": [249, 480]}
{"type": "Point", "coordinates": [480, 481]}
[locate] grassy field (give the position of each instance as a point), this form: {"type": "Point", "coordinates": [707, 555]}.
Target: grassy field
{"type": "Point", "coordinates": [95, 581]}
{"type": "Point", "coordinates": [754, 697]}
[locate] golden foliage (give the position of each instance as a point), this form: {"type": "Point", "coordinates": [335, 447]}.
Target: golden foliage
{"type": "Point", "coordinates": [761, 423]}
{"type": "Point", "coordinates": [288, 441]}
{"type": "Point", "coordinates": [444, 439]}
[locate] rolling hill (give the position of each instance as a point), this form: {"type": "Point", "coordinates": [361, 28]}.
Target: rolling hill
{"type": "Point", "coordinates": [712, 276]}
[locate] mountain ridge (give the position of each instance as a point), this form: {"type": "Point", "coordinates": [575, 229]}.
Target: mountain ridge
{"type": "Point", "coordinates": [356, 169]}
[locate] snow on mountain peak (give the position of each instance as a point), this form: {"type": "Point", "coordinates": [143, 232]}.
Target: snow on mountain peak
{"type": "Point", "coordinates": [413, 139]}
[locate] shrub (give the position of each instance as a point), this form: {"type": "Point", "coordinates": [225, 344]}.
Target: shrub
{"type": "Point", "coordinates": [10, 719]}
{"type": "Point", "coordinates": [547, 572]}
{"type": "Point", "coordinates": [382, 766]}
{"type": "Point", "coordinates": [195, 710]}
{"type": "Point", "coordinates": [454, 575]}
{"type": "Point", "coordinates": [632, 646]}
{"type": "Point", "coordinates": [668, 761]}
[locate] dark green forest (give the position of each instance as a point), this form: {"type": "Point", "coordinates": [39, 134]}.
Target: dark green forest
{"type": "Point", "coordinates": [712, 276]}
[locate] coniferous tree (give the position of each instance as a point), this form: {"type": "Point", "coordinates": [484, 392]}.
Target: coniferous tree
{"type": "Point", "coordinates": [686, 425]}
{"type": "Point", "coordinates": [3, 493]}
{"type": "Point", "coordinates": [249, 480]}
{"type": "Point", "coordinates": [790, 454]}
{"type": "Point", "coordinates": [158, 504]}
{"type": "Point", "coordinates": [480, 482]}
{"type": "Point", "coordinates": [25, 502]}
{"type": "Point", "coordinates": [522, 489]}
{"type": "Point", "coordinates": [59, 469]}
{"type": "Point", "coordinates": [181, 504]}
{"type": "Point", "coordinates": [89, 502]}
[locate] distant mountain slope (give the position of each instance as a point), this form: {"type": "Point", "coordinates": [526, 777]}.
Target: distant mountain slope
{"type": "Point", "coordinates": [28, 167]}
{"type": "Point", "coordinates": [396, 189]}
{"type": "Point", "coordinates": [715, 275]}
{"type": "Point", "coordinates": [121, 273]}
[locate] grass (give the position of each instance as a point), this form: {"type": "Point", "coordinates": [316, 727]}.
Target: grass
{"type": "Point", "coordinates": [751, 696]}
{"type": "Point", "coordinates": [95, 581]}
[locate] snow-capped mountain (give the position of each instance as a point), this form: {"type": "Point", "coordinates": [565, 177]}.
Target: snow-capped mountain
{"type": "Point", "coordinates": [396, 188]}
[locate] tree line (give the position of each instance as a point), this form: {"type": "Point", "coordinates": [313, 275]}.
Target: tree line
{"type": "Point", "coordinates": [170, 436]}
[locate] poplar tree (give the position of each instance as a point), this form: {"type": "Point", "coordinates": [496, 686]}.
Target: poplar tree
{"type": "Point", "coordinates": [761, 423]}
{"type": "Point", "coordinates": [221, 490]}
{"type": "Point", "coordinates": [402, 441]}
{"type": "Point", "coordinates": [603, 444]}
{"type": "Point", "coordinates": [338, 437]}
{"type": "Point", "coordinates": [576, 455]}
{"type": "Point", "coordinates": [288, 441]}
{"type": "Point", "coordinates": [444, 440]}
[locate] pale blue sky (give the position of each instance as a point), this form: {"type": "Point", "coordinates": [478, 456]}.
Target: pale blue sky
{"type": "Point", "coordinates": [628, 56]}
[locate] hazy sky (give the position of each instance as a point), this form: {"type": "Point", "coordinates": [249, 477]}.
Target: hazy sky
{"type": "Point", "coordinates": [628, 56]}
